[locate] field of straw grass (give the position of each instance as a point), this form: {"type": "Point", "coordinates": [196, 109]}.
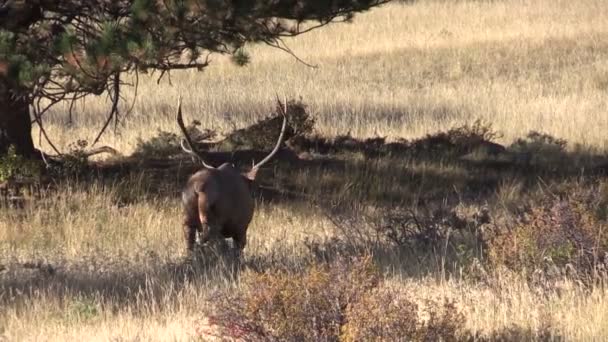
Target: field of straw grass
{"type": "Point", "coordinates": [400, 71]}
{"type": "Point", "coordinates": [105, 260]}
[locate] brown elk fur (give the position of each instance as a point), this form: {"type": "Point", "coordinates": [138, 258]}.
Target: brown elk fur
{"type": "Point", "coordinates": [217, 201]}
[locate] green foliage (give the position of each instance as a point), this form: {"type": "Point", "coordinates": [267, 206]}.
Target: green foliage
{"type": "Point", "coordinates": [7, 43]}
{"type": "Point", "coordinates": [15, 167]}
{"type": "Point", "coordinates": [66, 42]}
{"type": "Point", "coordinates": [241, 57]}
{"type": "Point", "coordinates": [142, 9]}
{"type": "Point", "coordinates": [100, 39]}
{"type": "Point", "coordinates": [109, 39]}
{"type": "Point", "coordinates": [346, 300]}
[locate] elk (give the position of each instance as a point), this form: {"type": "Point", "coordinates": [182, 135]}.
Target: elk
{"type": "Point", "coordinates": [217, 201]}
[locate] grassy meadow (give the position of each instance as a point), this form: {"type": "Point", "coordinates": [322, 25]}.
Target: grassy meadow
{"type": "Point", "coordinates": [105, 259]}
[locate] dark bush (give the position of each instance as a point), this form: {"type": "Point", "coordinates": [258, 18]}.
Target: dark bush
{"type": "Point", "coordinates": [263, 134]}
{"type": "Point", "coordinates": [164, 144]}
{"type": "Point", "coordinates": [16, 167]}
{"type": "Point", "coordinates": [459, 140]}
{"type": "Point", "coordinates": [540, 149]}
{"type": "Point", "coordinates": [430, 228]}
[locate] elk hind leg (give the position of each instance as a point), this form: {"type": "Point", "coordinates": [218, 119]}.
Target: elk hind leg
{"type": "Point", "coordinates": [190, 235]}
{"type": "Point", "coordinates": [191, 225]}
{"type": "Point", "coordinates": [239, 240]}
{"type": "Point", "coordinates": [209, 231]}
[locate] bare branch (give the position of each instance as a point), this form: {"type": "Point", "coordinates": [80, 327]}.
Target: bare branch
{"type": "Point", "coordinates": [37, 116]}
{"type": "Point", "coordinates": [114, 109]}
{"type": "Point", "coordinates": [130, 110]}
{"type": "Point", "coordinates": [285, 48]}
{"type": "Point", "coordinates": [70, 110]}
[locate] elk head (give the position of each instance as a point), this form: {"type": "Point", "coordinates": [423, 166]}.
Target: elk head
{"type": "Point", "coordinates": [217, 200]}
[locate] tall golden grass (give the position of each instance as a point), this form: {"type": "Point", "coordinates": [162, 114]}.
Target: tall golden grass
{"type": "Point", "coordinates": [403, 70]}
{"type": "Point", "coordinates": [399, 71]}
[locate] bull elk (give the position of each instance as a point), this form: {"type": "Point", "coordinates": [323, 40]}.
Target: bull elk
{"type": "Point", "coordinates": [217, 201]}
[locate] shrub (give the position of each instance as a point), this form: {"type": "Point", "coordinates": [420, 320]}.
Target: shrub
{"type": "Point", "coordinates": [15, 167]}
{"type": "Point", "coordinates": [458, 140]}
{"type": "Point", "coordinates": [263, 134]}
{"type": "Point", "coordinates": [162, 145]}
{"type": "Point", "coordinates": [430, 228]}
{"type": "Point", "coordinates": [383, 315]}
{"type": "Point", "coordinates": [307, 306]}
{"type": "Point", "coordinates": [167, 144]}
{"type": "Point", "coordinates": [540, 149]}
{"type": "Point", "coordinates": [380, 315]}
{"type": "Point", "coordinates": [75, 162]}
{"type": "Point", "coordinates": [16, 175]}
{"type": "Point", "coordinates": [343, 300]}
{"type": "Point", "coordinates": [427, 228]}
{"type": "Point", "coordinates": [561, 232]}
{"type": "Point", "coordinates": [72, 164]}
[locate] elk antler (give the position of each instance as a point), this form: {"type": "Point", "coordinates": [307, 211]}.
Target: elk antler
{"type": "Point", "coordinates": [254, 169]}
{"type": "Point", "coordinates": [192, 150]}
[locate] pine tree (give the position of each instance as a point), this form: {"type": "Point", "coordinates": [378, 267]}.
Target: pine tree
{"type": "Point", "coordinates": [59, 50]}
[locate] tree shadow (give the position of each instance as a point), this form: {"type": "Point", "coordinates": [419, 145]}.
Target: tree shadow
{"type": "Point", "coordinates": [344, 173]}
{"type": "Point", "coordinates": [118, 283]}
{"type": "Point", "coordinates": [459, 164]}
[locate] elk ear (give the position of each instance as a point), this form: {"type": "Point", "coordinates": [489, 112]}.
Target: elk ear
{"type": "Point", "coordinates": [251, 174]}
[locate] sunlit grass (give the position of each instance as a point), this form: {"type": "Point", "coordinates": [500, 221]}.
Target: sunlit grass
{"type": "Point", "coordinates": [397, 71]}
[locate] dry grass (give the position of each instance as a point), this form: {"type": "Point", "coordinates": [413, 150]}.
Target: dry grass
{"type": "Point", "coordinates": [401, 71]}
{"type": "Point", "coordinates": [116, 248]}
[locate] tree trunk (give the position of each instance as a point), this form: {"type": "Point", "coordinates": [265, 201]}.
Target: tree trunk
{"type": "Point", "coordinates": [15, 122]}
